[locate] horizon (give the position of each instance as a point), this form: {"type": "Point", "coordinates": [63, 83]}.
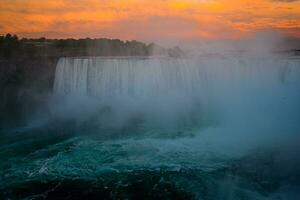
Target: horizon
{"type": "Point", "coordinates": [261, 42]}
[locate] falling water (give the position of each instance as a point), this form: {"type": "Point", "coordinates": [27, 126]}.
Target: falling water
{"type": "Point", "coordinates": [173, 93]}
{"type": "Point", "coordinates": [138, 77]}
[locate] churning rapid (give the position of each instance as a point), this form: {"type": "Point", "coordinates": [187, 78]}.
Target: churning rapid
{"type": "Point", "coordinates": [164, 128]}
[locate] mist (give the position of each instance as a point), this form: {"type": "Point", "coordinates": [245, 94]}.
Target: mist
{"type": "Point", "coordinates": [260, 43]}
{"type": "Point", "coordinates": [256, 97]}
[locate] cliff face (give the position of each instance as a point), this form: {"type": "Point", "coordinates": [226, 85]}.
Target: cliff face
{"type": "Point", "coordinates": [24, 87]}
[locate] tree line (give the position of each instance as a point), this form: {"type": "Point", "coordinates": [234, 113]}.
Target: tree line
{"type": "Point", "coordinates": [11, 47]}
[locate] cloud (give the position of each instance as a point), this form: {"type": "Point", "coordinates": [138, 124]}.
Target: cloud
{"type": "Point", "coordinates": [148, 20]}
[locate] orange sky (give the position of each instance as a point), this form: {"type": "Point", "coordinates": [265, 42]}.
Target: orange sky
{"type": "Point", "coordinates": [148, 20]}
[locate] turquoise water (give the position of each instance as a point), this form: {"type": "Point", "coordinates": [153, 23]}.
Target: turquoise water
{"type": "Point", "coordinates": [45, 165]}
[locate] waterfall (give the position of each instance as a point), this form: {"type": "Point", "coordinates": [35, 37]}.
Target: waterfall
{"type": "Point", "coordinates": [125, 77]}
{"type": "Point", "coordinates": [181, 91]}
{"type": "Point", "coordinates": [113, 77]}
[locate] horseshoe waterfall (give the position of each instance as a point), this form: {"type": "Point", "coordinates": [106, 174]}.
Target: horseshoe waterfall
{"type": "Point", "coordinates": [163, 128]}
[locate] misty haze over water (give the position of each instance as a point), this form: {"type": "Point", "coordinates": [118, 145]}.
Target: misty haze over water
{"type": "Point", "coordinates": [148, 122]}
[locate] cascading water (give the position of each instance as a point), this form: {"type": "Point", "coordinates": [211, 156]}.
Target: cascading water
{"type": "Point", "coordinates": [178, 93]}
{"type": "Point", "coordinates": [138, 77]}
{"type": "Point", "coordinates": [221, 128]}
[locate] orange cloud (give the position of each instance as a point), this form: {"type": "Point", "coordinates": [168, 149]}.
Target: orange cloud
{"type": "Point", "coordinates": [148, 20]}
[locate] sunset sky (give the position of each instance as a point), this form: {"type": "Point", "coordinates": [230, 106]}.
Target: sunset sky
{"type": "Point", "coordinates": [148, 20]}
